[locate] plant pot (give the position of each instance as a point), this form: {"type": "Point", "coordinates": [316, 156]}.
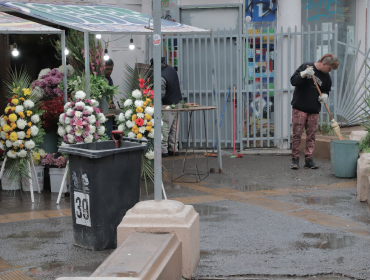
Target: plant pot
{"type": "Point", "coordinates": [40, 178]}
{"type": "Point", "coordinates": [56, 178]}
{"type": "Point", "coordinates": [50, 143]}
{"type": "Point", "coordinates": [6, 186]}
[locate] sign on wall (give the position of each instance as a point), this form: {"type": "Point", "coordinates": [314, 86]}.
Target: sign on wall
{"type": "Point", "coordinates": [169, 10]}
{"type": "Point", "coordinates": [260, 10]}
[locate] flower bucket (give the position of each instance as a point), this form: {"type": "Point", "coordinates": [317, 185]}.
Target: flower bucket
{"type": "Point", "coordinates": [40, 178]}
{"type": "Point", "coordinates": [6, 186]}
{"type": "Point", "coordinates": [56, 178]}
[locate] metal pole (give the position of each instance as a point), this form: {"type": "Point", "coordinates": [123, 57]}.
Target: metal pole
{"type": "Point", "coordinates": [157, 99]}
{"type": "Point", "coordinates": [87, 63]}
{"type": "Point", "coordinates": [64, 64]}
{"type": "Point", "coordinates": [217, 104]}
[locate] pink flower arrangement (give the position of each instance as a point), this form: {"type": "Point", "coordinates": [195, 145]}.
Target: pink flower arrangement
{"type": "Point", "coordinates": [49, 83]}
{"type": "Point", "coordinates": [50, 160]}
{"type": "Point", "coordinates": [82, 121]}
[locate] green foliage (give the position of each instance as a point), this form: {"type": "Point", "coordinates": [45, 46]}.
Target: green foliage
{"type": "Point", "coordinates": [326, 129]}
{"type": "Point", "coordinates": [365, 122]}
{"type": "Point", "coordinates": [99, 88]}
{"type": "Point", "coordinates": [365, 143]}
{"type": "Point", "coordinates": [131, 78]}
{"type": "Point", "coordinates": [16, 79]}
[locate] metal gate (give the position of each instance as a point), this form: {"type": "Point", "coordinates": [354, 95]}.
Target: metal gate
{"type": "Point", "coordinates": [259, 64]}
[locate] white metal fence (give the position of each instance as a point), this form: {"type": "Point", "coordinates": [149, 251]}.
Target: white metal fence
{"type": "Point", "coordinates": [259, 64]}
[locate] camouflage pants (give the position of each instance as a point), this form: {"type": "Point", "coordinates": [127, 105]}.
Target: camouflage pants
{"type": "Point", "coordinates": [301, 121]}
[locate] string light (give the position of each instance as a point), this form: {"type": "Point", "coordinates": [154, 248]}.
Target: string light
{"type": "Point", "coordinates": [15, 51]}
{"type": "Point", "coordinates": [98, 36]}
{"type": "Point", "coordinates": [132, 46]}
{"type": "Point", "coordinates": [106, 55]}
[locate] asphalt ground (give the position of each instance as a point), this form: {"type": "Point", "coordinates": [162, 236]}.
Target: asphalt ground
{"type": "Point", "coordinates": [258, 220]}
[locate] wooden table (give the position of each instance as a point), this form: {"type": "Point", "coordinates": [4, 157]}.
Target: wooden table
{"type": "Point", "coordinates": [190, 110]}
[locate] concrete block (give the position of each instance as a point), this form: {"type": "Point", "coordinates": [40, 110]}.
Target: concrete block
{"type": "Point", "coordinates": [146, 256]}
{"type": "Point", "coordinates": [357, 135]}
{"type": "Point", "coordinates": [363, 173]}
{"type": "Point", "coordinates": [166, 216]}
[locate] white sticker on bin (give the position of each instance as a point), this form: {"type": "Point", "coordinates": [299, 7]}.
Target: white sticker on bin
{"type": "Point", "coordinates": [82, 209]}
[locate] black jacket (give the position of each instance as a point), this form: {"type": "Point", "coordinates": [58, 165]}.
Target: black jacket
{"type": "Point", "coordinates": [305, 97]}
{"type": "Point", "coordinates": [173, 93]}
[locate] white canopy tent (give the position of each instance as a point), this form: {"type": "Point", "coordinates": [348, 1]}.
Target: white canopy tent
{"type": "Point", "coordinates": [101, 19]}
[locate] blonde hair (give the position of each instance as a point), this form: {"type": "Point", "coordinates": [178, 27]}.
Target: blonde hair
{"type": "Point", "coordinates": [331, 60]}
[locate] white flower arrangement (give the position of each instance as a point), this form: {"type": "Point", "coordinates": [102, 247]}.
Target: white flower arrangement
{"type": "Point", "coordinates": [22, 153]}
{"type": "Point", "coordinates": [35, 118]}
{"type": "Point", "coordinates": [19, 108]}
{"type": "Point", "coordinates": [121, 117]}
{"type": "Point", "coordinates": [21, 123]}
{"type": "Point", "coordinates": [139, 103]}
{"type": "Point", "coordinates": [29, 144]}
{"type": "Point", "coordinates": [136, 94]}
{"type": "Point", "coordinates": [149, 111]}
{"type": "Point", "coordinates": [82, 122]}
{"type": "Point", "coordinates": [150, 154]}
{"type": "Point", "coordinates": [121, 127]}
{"type": "Point", "coordinates": [34, 130]}
{"type": "Point", "coordinates": [127, 103]}
{"type": "Point", "coordinates": [43, 72]}
{"type": "Point", "coordinates": [128, 114]}
{"type": "Point", "coordinates": [21, 135]}
{"type": "Point", "coordinates": [28, 104]}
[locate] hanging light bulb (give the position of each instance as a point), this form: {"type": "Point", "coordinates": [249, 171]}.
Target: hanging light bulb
{"type": "Point", "coordinates": [66, 51]}
{"type": "Point", "coordinates": [98, 36]}
{"type": "Point", "coordinates": [15, 51]}
{"type": "Point", "coordinates": [132, 46]}
{"type": "Point", "coordinates": [106, 55]}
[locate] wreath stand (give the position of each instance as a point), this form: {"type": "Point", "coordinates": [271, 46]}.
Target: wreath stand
{"type": "Point", "coordinates": [32, 171]}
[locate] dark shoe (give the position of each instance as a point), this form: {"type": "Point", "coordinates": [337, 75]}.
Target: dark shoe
{"type": "Point", "coordinates": [164, 155]}
{"type": "Point", "coordinates": [310, 164]}
{"type": "Point", "coordinates": [295, 163]}
{"type": "Point", "coordinates": [170, 153]}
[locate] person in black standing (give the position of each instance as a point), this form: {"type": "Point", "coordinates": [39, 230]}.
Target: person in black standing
{"type": "Point", "coordinates": [307, 104]}
{"type": "Point", "coordinates": [109, 64]}
{"type": "Point", "coordinates": [171, 94]}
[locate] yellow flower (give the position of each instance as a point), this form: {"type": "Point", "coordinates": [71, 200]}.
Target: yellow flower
{"type": "Point", "coordinates": [13, 109]}
{"type": "Point", "coordinates": [21, 99]}
{"type": "Point", "coordinates": [151, 130]}
{"type": "Point", "coordinates": [13, 136]}
{"type": "Point", "coordinates": [15, 89]}
{"type": "Point", "coordinates": [21, 146]}
{"type": "Point", "coordinates": [13, 125]}
{"type": "Point", "coordinates": [134, 117]}
{"type": "Point", "coordinates": [29, 124]}
{"type": "Point", "coordinates": [139, 109]}
{"type": "Point", "coordinates": [6, 127]}
{"type": "Point", "coordinates": [26, 91]}
{"type": "Point", "coordinates": [15, 101]}
{"type": "Point", "coordinates": [13, 117]}
{"type": "Point", "coordinates": [29, 113]}
{"type": "Point", "coordinates": [15, 148]}
{"type": "Point", "coordinates": [148, 100]}
{"type": "Point", "coordinates": [21, 114]}
{"type": "Point", "coordinates": [13, 152]}
{"type": "Point", "coordinates": [147, 117]}
{"type": "Point", "coordinates": [29, 131]}
{"type": "Point", "coordinates": [148, 128]}
{"type": "Point", "coordinates": [1, 129]}
{"type": "Point", "coordinates": [37, 156]}
{"type": "Point", "coordinates": [6, 110]}
{"type": "Point", "coordinates": [149, 124]}
{"type": "Point", "coordinates": [7, 136]}
{"type": "Point", "coordinates": [139, 136]}
{"type": "Point", "coordinates": [14, 96]}
{"type": "Point", "coordinates": [2, 141]}
{"type": "Point", "coordinates": [5, 118]}
{"type": "Point", "coordinates": [28, 136]}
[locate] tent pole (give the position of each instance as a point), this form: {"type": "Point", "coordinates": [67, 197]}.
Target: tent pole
{"type": "Point", "coordinates": [214, 81]}
{"type": "Point", "coordinates": [64, 64]}
{"type": "Point", "coordinates": [87, 63]}
{"type": "Point", "coordinates": [157, 101]}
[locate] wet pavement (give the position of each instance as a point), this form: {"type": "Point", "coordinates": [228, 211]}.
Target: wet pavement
{"type": "Point", "coordinates": [258, 220]}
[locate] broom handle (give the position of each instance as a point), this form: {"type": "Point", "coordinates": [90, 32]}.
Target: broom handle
{"type": "Point", "coordinates": [234, 124]}
{"type": "Point", "coordinates": [317, 86]}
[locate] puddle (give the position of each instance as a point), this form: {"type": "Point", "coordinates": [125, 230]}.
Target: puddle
{"type": "Point", "coordinates": [34, 234]}
{"type": "Point", "coordinates": [326, 241]}
{"type": "Point", "coordinates": [58, 268]}
{"type": "Point", "coordinates": [209, 213]}
{"type": "Point", "coordinates": [322, 200]}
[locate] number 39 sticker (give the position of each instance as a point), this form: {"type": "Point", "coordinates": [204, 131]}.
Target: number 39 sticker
{"type": "Point", "coordinates": [82, 208]}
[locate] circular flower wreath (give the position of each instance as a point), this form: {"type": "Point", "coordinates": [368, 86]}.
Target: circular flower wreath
{"type": "Point", "coordinates": [136, 119]}
{"type": "Point", "coordinates": [82, 121]}
{"type": "Point", "coordinates": [20, 125]}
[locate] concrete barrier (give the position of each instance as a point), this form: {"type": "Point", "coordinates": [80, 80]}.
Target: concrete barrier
{"type": "Point", "coordinates": [363, 173]}
{"type": "Point", "coordinates": [357, 135]}
{"type": "Point", "coordinates": [142, 256]}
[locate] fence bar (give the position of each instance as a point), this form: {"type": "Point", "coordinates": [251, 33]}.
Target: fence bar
{"type": "Point", "coordinates": [335, 73]}
{"type": "Point", "coordinates": [289, 87]}
{"type": "Point", "coordinates": [254, 87]}
{"type": "Point", "coordinates": [261, 86]}
{"type": "Point", "coordinates": [194, 93]}
{"type": "Point", "coordinates": [281, 91]}
{"type": "Point", "coordinates": [268, 86]}
{"type": "Point", "coordinates": [341, 93]}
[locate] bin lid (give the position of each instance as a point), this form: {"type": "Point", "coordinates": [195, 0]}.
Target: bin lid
{"type": "Point", "coordinates": [346, 142]}
{"type": "Point", "coordinates": [104, 148]}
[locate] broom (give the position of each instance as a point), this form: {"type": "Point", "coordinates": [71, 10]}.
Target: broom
{"type": "Point", "coordinates": [234, 154]}
{"type": "Point", "coordinates": [334, 124]}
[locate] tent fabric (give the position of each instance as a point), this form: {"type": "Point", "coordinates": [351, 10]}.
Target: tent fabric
{"type": "Point", "coordinates": [9, 24]}
{"type": "Point", "coordinates": [97, 18]}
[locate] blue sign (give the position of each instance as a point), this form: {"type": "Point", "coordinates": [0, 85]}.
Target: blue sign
{"type": "Point", "coordinates": [260, 10]}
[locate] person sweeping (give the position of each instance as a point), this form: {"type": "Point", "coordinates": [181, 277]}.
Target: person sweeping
{"type": "Point", "coordinates": [306, 104]}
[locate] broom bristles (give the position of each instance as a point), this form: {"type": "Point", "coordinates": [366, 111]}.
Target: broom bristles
{"type": "Point", "coordinates": [336, 129]}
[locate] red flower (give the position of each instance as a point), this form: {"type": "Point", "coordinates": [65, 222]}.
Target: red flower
{"type": "Point", "coordinates": [1, 152]}
{"type": "Point", "coordinates": [151, 92]}
{"type": "Point", "coordinates": [9, 112]}
{"type": "Point", "coordinates": [8, 122]}
{"type": "Point", "coordinates": [139, 122]}
{"type": "Point", "coordinates": [141, 83]}
{"type": "Point", "coordinates": [145, 91]}
{"type": "Point", "coordinates": [53, 108]}
{"type": "Point", "coordinates": [9, 100]}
